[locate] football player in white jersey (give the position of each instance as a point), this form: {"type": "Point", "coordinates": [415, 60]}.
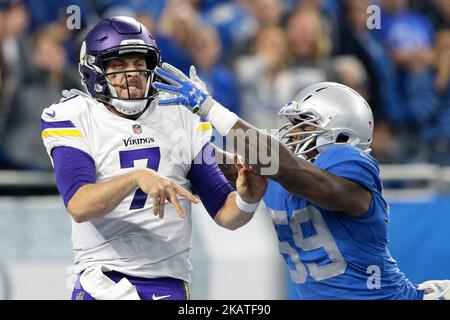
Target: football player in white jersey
{"type": "Point", "coordinates": [112, 149]}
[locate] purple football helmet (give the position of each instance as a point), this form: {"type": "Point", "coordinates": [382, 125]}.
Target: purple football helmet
{"type": "Point", "coordinates": [111, 38]}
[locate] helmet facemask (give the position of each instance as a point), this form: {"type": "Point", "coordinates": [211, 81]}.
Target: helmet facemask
{"type": "Point", "coordinates": [130, 104]}
{"type": "Point", "coordinates": [303, 131]}
{"type": "Point", "coordinates": [127, 104]}
{"type": "Point", "coordinates": [324, 115]}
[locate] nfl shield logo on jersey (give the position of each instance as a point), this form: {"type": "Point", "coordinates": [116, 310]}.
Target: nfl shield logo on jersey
{"type": "Point", "coordinates": [137, 129]}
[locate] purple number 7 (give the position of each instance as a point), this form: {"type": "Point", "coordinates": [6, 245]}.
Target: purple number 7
{"type": "Point", "coordinates": [127, 159]}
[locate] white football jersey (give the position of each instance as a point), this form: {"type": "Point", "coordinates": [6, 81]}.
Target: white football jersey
{"type": "Point", "coordinates": [166, 139]}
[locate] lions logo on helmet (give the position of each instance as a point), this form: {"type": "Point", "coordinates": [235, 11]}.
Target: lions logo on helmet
{"type": "Point", "coordinates": [333, 113]}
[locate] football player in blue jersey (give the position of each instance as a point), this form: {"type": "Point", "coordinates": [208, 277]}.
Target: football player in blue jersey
{"type": "Point", "coordinates": [326, 198]}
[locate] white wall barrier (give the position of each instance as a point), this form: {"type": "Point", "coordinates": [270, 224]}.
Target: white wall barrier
{"type": "Point", "coordinates": [36, 256]}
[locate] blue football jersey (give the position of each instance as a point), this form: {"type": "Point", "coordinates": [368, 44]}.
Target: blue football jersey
{"type": "Point", "coordinates": [331, 255]}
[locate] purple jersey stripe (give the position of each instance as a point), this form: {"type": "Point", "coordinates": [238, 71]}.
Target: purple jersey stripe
{"type": "Point", "coordinates": [148, 289]}
{"type": "Point", "coordinates": [208, 181]}
{"type": "Point", "coordinates": [56, 124]}
{"type": "Point", "coordinates": [73, 169]}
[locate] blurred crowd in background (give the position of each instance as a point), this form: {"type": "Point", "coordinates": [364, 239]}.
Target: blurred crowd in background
{"type": "Point", "coordinates": [254, 55]}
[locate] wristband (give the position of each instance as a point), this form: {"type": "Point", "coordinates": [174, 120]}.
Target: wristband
{"type": "Point", "coordinates": [221, 118]}
{"type": "Point", "coordinates": [245, 206]}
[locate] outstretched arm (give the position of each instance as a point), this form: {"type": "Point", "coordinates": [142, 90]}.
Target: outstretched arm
{"type": "Point", "coordinates": [301, 177]}
{"type": "Point", "coordinates": [263, 152]}
{"type": "Point", "coordinates": [87, 199]}
{"type": "Point", "coordinates": [241, 205]}
{"type": "Point", "coordinates": [225, 162]}
{"type": "Point", "coordinates": [229, 209]}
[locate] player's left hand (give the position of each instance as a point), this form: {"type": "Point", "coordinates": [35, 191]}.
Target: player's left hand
{"type": "Point", "coordinates": [249, 185]}
{"type": "Point", "coordinates": [191, 92]}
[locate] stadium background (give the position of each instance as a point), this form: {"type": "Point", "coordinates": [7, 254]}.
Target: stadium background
{"type": "Point", "coordinates": [254, 56]}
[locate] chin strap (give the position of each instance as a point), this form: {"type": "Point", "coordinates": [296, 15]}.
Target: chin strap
{"type": "Point", "coordinates": [129, 108]}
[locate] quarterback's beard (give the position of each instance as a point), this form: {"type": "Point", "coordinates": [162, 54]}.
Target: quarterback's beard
{"type": "Point", "coordinates": [129, 87]}
{"type": "Point", "coordinates": [136, 95]}
{"type": "Point", "coordinates": [131, 91]}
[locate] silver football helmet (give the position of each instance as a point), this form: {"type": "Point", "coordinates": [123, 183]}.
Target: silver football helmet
{"type": "Point", "coordinates": [338, 114]}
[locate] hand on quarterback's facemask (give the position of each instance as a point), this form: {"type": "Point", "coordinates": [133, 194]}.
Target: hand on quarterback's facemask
{"type": "Point", "coordinates": [191, 92]}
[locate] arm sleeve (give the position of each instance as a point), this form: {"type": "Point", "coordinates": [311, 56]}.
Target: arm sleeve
{"type": "Point", "coordinates": [73, 169]}
{"type": "Point", "coordinates": [208, 181]}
